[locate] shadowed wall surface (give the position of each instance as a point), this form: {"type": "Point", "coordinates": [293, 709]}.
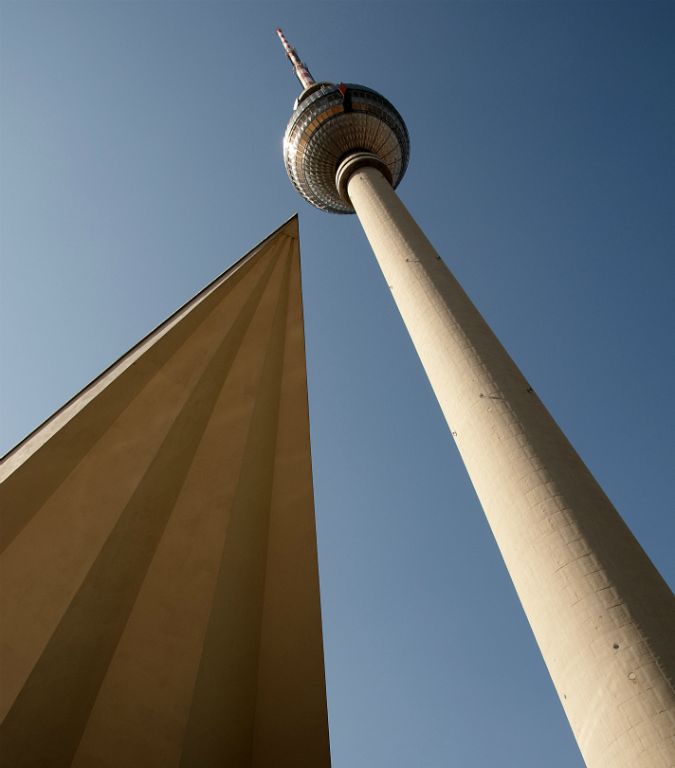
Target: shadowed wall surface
{"type": "Point", "coordinates": [160, 598]}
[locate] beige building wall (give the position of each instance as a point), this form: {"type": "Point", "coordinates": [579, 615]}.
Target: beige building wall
{"type": "Point", "coordinates": [603, 617]}
{"type": "Point", "coordinates": [160, 593]}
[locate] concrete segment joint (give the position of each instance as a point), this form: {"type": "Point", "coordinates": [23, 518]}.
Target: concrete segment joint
{"type": "Point", "coordinates": [353, 163]}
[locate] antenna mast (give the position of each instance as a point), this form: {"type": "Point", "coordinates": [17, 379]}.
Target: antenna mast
{"type": "Point", "coordinates": [300, 69]}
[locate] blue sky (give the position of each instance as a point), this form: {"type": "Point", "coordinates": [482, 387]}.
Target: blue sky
{"type": "Point", "coordinates": [140, 155]}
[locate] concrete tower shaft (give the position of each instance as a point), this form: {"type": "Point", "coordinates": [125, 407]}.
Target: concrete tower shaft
{"type": "Point", "coordinates": [602, 615]}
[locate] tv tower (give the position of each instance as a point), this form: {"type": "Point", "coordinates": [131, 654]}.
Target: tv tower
{"type": "Point", "coordinates": [601, 613]}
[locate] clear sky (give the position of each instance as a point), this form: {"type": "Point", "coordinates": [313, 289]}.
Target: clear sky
{"type": "Point", "coordinates": [140, 155]}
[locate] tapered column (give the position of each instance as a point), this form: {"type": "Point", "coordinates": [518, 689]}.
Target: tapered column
{"type": "Point", "coordinates": [602, 615]}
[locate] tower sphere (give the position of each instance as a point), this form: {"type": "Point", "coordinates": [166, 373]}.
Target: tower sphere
{"type": "Point", "coordinates": [332, 123]}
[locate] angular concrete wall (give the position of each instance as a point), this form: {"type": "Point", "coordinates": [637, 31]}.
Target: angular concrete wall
{"type": "Point", "coordinates": [160, 596]}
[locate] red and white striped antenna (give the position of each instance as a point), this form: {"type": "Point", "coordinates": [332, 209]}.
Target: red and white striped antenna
{"type": "Point", "coordinates": [300, 69]}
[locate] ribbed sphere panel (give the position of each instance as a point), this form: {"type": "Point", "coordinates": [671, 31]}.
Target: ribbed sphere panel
{"type": "Point", "coordinates": [328, 125]}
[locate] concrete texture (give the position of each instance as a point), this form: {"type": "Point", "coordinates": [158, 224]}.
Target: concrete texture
{"type": "Point", "coordinates": [602, 615]}
{"type": "Point", "coordinates": [160, 593]}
